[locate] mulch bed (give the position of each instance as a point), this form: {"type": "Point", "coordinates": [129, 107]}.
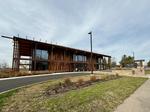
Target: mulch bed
{"type": "Point", "coordinates": [64, 87]}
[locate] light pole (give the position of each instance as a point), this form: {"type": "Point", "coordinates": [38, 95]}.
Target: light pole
{"type": "Point", "coordinates": [133, 55]}
{"type": "Point", "coordinates": [90, 33]}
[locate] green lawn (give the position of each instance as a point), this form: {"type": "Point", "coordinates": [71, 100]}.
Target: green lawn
{"type": "Point", "coordinates": [5, 96]}
{"type": "Point", "coordinates": [147, 71]}
{"type": "Point", "coordinates": [100, 97]}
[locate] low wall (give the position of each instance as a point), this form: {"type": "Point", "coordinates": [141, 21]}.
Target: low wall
{"type": "Point", "coordinates": [129, 72]}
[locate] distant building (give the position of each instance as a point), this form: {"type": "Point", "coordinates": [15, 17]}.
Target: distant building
{"type": "Point", "coordinates": [139, 63]}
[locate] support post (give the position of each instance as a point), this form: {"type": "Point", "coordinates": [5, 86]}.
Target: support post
{"type": "Point", "coordinates": [34, 56]}
{"type": "Point", "coordinates": [16, 56]}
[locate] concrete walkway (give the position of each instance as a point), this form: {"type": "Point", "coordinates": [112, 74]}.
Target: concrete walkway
{"type": "Point", "coordinates": [137, 102]}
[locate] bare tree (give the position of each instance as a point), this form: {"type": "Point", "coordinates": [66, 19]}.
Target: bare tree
{"type": "Point", "coordinates": [3, 65]}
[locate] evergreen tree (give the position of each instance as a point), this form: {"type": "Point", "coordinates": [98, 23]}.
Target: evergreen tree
{"type": "Point", "coordinates": [148, 64]}
{"type": "Point", "coordinates": [127, 61]}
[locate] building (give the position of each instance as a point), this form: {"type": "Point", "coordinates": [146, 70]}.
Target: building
{"type": "Point", "coordinates": [139, 63]}
{"type": "Point", "coordinates": [38, 56]}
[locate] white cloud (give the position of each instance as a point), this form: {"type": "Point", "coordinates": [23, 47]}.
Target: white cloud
{"type": "Point", "coordinates": [119, 27]}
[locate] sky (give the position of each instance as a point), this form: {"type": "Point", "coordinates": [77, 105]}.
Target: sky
{"type": "Point", "coordinates": [119, 26]}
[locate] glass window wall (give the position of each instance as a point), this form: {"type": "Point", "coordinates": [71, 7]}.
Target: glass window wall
{"type": "Point", "coordinates": [79, 58]}
{"type": "Point", "coordinates": [41, 54]}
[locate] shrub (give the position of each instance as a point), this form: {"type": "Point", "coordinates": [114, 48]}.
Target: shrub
{"type": "Point", "coordinates": [103, 77]}
{"type": "Point", "coordinates": [80, 81]}
{"type": "Point", "coordinates": [60, 83]}
{"type": "Point", "coordinates": [109, 77]}
{"type": "Point", "coordinates": [68, 82]}
{"type": "Point", "coordinates": [133, 72]}
{"type": "Point", "coordinates": [114, 76]}
{"type": "Point", "coordinates": [117, 74]}
{"type": "Point", "coordinates": [93, 78]}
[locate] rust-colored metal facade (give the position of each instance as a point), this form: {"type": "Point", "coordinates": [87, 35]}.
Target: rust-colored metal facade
{"type": "Point", "coordinates": [59, 58]}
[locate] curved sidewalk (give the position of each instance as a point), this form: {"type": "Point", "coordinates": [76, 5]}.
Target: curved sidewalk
{"type": "Point", "coordinates": [139, 101]}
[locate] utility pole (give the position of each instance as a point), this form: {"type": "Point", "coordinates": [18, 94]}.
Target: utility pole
{"type": "Point", "coordinates": [90, 33]}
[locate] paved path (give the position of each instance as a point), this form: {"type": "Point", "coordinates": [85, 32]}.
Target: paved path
{"type": "Point", "coordinates": [11, 83]}
{"type": "Point", "coordinates": [137, 102]}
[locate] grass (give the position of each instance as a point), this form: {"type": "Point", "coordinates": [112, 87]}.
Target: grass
{"type": "Point", "coordinates": [100, 97]}
{"type": "Point", "coordinates": [11, 73]}
{"type": "Point", "coordinates": [5, 96]}
{"type": "Point", "coordinates": [147, 72]}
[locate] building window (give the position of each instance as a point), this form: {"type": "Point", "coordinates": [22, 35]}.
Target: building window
{"type": "Point", "coordinates": [79, 58]}
{"type": "Point", "coordinates": [41, 59]}
{"type": "Point", "coordinates": [41, 54]}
